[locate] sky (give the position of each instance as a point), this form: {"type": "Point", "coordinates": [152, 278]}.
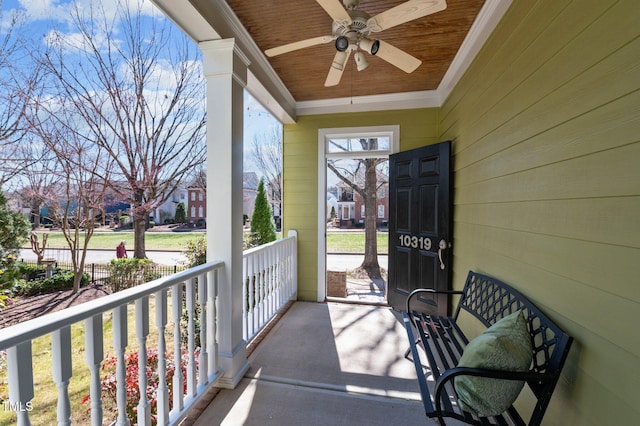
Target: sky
{"type": "Point", "coordinates": [44, 18]}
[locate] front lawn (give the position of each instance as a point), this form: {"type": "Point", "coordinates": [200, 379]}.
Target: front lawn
{"type": "Point", "coordinates": [353, 242]}
{"type": "Point", "coordinates": [174, 241]}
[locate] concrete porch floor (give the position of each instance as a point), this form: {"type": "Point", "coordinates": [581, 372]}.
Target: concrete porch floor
{"type": "Point", "coordinates": [326, 364]}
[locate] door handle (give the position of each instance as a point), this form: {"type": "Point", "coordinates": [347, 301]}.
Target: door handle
{"type": "Point", "coordinates": [442, 245]}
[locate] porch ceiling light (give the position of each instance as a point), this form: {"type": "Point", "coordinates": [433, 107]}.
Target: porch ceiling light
{"type": "Point", "coordinates": [342, 44]}
{"type": "Point", "coordinates": [361, 60]}
{"type": "Point", "coordinates": [370, 46]}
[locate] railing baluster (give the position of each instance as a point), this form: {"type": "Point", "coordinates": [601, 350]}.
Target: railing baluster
{"type": "Point", "coordinates": [203, 368]}
{"type": "Point", "coordinates": [191, 345]}
{"type": "Point", "coordinates": [253, 292]}
{"type": "Point", "coordinates": [94, 354]}
{"type": "Point", "coordinates": [212, 344]}
{"type": "Point", "coordinates": [120, 342]}
{"type": "Point", "coordinates": [62, 371]}
{"type": "Point", "coordinates": [245, 295]}
{"type": "Point", "coordinates": [259, 289]}
{"type": "Point", "coordinates": [142, 331]}
{"type": "Point", "coordinates": [264, 281]}
{"type": "Point", "coordinates": [20, 372]}
{"type": "Point", "coordinates": [178, 383]}
{"type": "Point", "coordinates": [163, 390]}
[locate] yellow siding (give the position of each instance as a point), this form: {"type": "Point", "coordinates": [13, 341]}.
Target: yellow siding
{"type": "Point", "coordinates": [546, 131]}
{"type": "Point", "coordinates": [300, 175]}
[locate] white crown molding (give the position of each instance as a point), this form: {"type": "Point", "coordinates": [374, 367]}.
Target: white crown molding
{"type": "Point", "coordinates": [406, 100]}
{"type": "Point", "coordinates": [486, 21]}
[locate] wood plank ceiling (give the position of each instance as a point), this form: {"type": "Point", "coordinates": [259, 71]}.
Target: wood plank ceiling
{"type": "Point", "coordinates": [434, 39]}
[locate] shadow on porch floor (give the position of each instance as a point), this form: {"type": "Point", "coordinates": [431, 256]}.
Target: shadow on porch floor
{"type": "Point", "coordinates": [326, 364]}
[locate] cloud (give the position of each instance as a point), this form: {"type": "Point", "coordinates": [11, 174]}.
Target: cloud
{"type": "Point", "coordinates": [59, 10]}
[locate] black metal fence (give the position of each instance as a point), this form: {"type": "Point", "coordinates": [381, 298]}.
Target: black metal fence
{"type": "Point", "coordinates": [99, 272]}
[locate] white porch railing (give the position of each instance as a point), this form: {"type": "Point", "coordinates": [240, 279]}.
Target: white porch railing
{"type": "Point", "coordinates": [270, 281]}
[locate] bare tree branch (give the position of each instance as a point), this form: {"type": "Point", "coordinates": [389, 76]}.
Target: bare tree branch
{"type": "Point", "coordinates": [137, 95]}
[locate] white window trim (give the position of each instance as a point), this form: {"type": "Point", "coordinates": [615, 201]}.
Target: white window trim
{"type": "Point", "coordinates": [393, 131]}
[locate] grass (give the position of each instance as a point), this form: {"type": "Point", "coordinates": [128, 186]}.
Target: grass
{"type": "Point", "coordinates": [353, 242]}
{"type": "Point", "coordinates": [108, 240]}
{"type": "Point", "coordinates": [46, 393]}
{"type": "Point", "coordinates": [337, 242]}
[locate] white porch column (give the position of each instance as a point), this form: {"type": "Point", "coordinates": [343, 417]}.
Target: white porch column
{"type": "Point", "coordinates": [225, 69]}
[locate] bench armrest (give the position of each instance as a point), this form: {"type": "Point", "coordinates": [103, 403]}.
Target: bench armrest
{"type": "Point", "coordinates": [418, 291]}
{"type": "Point", "coordinates": [447, 376]}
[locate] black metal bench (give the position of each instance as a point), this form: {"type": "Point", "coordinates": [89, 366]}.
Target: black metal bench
{"type": "Point", "coordinates": [488, 300]}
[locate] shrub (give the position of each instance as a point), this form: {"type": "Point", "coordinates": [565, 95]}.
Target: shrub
{"type": "Point", "coordinates": [263, 228]}
{"type": "Point", "coordinates": [14, 229]}
{"type": "Point", "coordinates": [196, 254]}
{"type": "Point", "coordinates": [130, 272]}
{"type": "Point", "coordinates": [9, 272]}
{"type": "Point", "coordinates": [59, 281]}
{"type": "Point", "coordinates": [181, 213]}
{"type": "Point", "coordinates": [196, 251]}
{"type": "Point", "coordinates": [30, 272]}
{"type": "Point", "coordinates": [4, 385]}
{"type": "Point", "coordinates": [109, 382]}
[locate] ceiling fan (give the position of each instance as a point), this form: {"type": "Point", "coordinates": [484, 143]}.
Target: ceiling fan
{"type": "Point", "coordinates": [352, 30]}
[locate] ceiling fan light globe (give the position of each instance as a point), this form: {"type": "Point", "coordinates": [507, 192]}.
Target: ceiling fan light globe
{"type": "Point", "coordinates": [371, 46]}
{"type": "Point", "coordinates": [361, 61]}
{"type": "Point", "coordinates": [342, 44]}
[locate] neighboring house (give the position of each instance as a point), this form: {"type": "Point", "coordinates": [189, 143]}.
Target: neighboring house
{"type": "Point", "coordinates": [249, 191]}
{"type": "Point", "coordinates": [166, 211]}
{"type": "Point", "coordinates": [16, 204]}
{"type": "Point", "coordinates": [332, 204]}
{"type": "Point", "coordinates": [274, 196]}
{"type": "Point", "coordinates": [197, 200]}
{"type": "Point", "coordinates": [197, 197]}
{"type": "Point", "coordinates": [350, 210]}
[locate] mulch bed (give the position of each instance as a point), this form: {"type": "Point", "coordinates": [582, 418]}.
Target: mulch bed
{"type": "Point", "coordinates": [26, 308]}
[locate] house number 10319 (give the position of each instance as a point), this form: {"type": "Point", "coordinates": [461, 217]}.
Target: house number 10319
{"type": "Point", "coordinates": [422, 243]}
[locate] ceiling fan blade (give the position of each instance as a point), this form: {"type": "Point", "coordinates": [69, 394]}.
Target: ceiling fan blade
{"type": "Point", "coordinates": [337, 68]}
{"type": "Point", "coordinates": [405, 12]}
{"type": "Point", "coordinates": [397, 57]}
{"type": "Point", "coordinates": [335, 9]}
{"type": "Point", "coordinates": [297, 45]}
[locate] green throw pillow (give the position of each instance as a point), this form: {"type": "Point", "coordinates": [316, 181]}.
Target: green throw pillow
{"type": "Point", "coordinates": [506, 345]}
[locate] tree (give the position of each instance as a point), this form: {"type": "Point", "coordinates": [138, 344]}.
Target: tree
{"type": "Point", "coordinates": [263, 230]}
{"type": "Point", "coordinates": [181, 213]}
{"type": "Point", "coordinates": [267, 154]}
{"type": "Point", "coordinates": [363, 179]}
{"type": "Point", "coordinates": [20, 81]}
{"type": "Point", "coordinates": [14, 229]}
{"type": "Point", "coordinates": [82, 169]}
{"type": "Point", "coordinates": [140, 95]}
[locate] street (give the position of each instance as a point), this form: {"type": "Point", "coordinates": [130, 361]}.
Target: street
{"type": "Point", "coordinates": [335, 262]}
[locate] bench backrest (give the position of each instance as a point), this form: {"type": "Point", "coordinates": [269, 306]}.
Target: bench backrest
{"type": "Point", "coordinates": [490, 300]}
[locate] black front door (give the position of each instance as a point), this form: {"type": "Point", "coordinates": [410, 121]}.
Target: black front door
{"type": "Point", "coordinates": [420, 223]}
